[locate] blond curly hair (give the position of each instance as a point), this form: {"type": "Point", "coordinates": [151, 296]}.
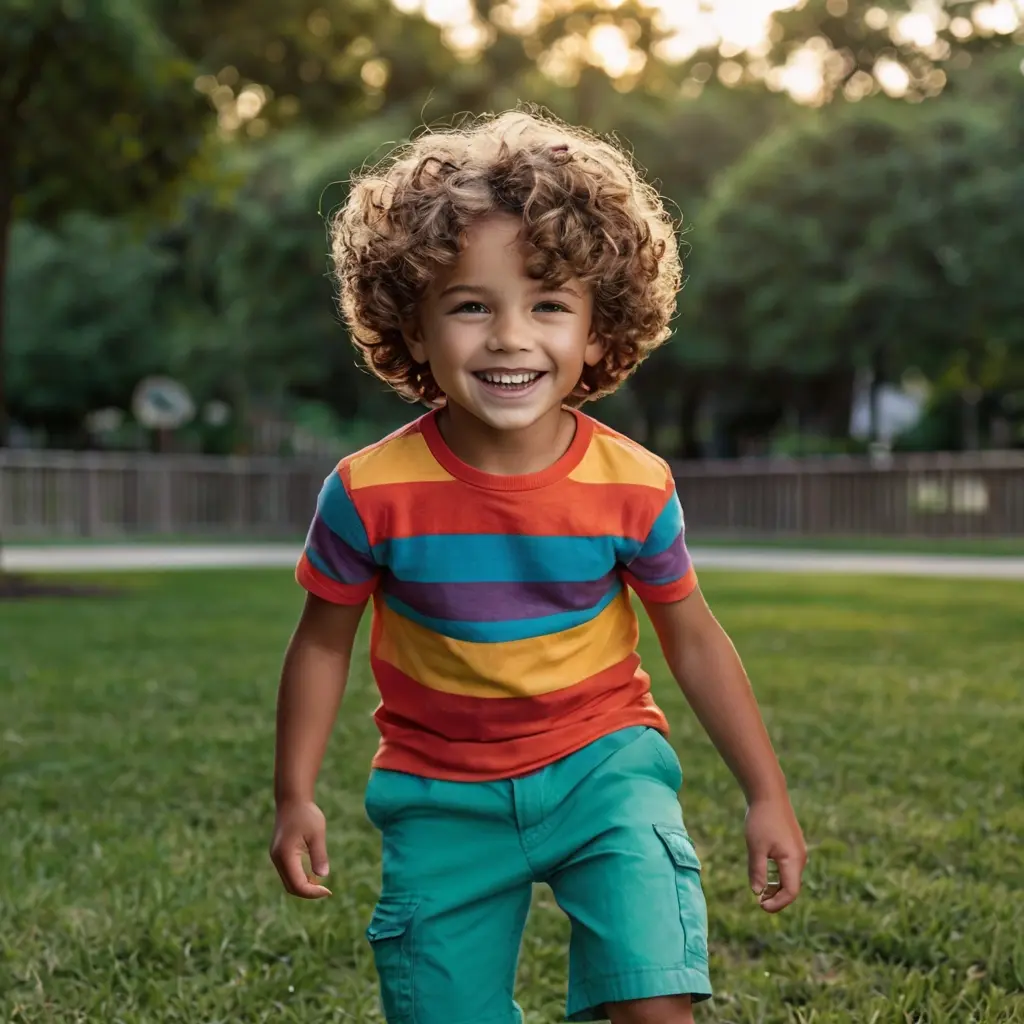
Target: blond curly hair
{"type": "Point", "coordinates": [586, 209]}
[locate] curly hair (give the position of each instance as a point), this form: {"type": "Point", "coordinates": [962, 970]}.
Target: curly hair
{"type": "Point", "coordinates": [586, 210]}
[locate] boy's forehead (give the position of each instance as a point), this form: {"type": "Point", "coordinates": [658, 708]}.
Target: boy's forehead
{"type": "Point", "coordinates": [493, 240]}
{"type": "Point", "coordinates": [498, 230]}
{"type": "Point", "coordinates": [496, 249]}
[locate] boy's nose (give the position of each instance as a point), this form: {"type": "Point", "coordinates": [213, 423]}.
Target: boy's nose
{"type": "Point", "coordinates": [511, 334]}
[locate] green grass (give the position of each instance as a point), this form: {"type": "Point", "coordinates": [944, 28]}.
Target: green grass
{"type": "Point", "coordinates": [135, 757]}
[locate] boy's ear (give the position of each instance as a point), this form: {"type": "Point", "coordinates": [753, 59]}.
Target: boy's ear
{"type": "Point", "coordinates": [596, 348]}
{"type": "Point", "coordinates": [413, 338]}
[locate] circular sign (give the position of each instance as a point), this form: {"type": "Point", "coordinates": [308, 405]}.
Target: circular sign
{"type": "Point", "coordinates": [162, 404]}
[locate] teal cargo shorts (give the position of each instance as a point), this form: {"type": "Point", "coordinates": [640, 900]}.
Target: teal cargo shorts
{"type": "Point", "coordinates": [603, 827]}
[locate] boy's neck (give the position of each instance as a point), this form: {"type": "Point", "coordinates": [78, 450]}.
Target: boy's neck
{"type": "Point", "coordinates": [507, 452]}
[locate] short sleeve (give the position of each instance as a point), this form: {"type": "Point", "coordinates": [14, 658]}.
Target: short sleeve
{"type": "Point", "coordinates": [662, 570]}
{"type": "Point", "coordinates": [337, 562]}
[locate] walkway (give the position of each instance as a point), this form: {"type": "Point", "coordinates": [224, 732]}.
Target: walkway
{"type": "Point", "coordinates": [128, 557]}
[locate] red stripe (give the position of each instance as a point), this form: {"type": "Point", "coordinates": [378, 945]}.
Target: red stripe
{"type": "Point", "coordinates": [449, 736]}
{"type": "Point", "coordinates": [566, 509]}
{"type": "Point", "coordinates": [322, 586]}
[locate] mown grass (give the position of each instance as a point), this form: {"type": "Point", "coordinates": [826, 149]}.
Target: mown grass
{"type": "Point", "coordinates": [135, 755]}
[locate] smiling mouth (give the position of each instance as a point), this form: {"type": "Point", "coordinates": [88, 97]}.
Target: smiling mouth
{"type": "Point", "coordinates": [518, 381]}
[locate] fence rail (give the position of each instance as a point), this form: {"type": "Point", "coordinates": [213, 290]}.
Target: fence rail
{"type": "Point", "coordinates": [53, 495]}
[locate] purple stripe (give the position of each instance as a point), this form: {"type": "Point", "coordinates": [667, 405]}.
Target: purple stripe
{"type": "Point", "coordinates": [347, 564]}
{"type": "Point", "coordinates": [672, 563]}
{"type": "Point", "coordinates": [497, 602]}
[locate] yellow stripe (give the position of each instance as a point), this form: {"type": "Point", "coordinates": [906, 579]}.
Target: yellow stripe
{"type": "Point", "coordinates": [402, 460]}
{"type": "Point", "coordinates": [515, 668]}
{"type": "Point", "coordinates": [611, 459]}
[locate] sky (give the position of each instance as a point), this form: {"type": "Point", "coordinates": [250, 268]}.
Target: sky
{"type": "Point", "coordinates": [696, 22]}
{"type": "Point", "coordinates": [733, 25]}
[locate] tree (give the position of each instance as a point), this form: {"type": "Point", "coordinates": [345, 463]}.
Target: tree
{"type": "Point", "coordinates": [312, 62]}
{"type": "Point", "coordinates": [893, 247]}
{"type": "Point", "coordinates": [976, 348]}
{"type": "Point", "coordinates": [97, 112]}
{"type": "Point", "coordinates": [83, 331]}
{"type": "Point", "coordinates": [861, 48]}
{"type": "Point", "coordinates": [248, 307]}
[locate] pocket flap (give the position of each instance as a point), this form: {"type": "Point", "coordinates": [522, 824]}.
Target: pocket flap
{"type": "Point", "coordinates": [679, 846]}
{"type": "Point", "coordinates": [391, 918]}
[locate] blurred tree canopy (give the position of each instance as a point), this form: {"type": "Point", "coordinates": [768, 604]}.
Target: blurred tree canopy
{"type": "Point", "coordinates": [198, 144]}
{"type": "Point", "coordinates": [97, 112]}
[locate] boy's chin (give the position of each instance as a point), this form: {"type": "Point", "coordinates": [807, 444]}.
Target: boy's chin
{"type": "Point", "coordinates": [512, 416]}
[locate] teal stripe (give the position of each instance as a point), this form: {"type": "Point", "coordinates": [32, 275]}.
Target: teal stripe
{"type": "Point", "coordinates": [512, 629]}
{"type": "Point", "coordinates": [665, 529]}
{"type": "Point", "coordinates": [502, 558]}
{"type": "Point", "coordinates": [335, 507]}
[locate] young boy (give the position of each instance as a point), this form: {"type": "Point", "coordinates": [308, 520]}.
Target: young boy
{"type": "Point", "coordinates": [504, 273]}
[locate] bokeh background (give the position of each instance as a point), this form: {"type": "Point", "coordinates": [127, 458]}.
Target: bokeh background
{"type": "Point", "coordinates": [846, 372]}
{"type": "Point", "coordinates": [848, 175]}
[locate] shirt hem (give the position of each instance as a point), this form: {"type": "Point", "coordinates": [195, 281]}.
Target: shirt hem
{"type": "Point", "coordinates": [329, 590]}
{"type": "Point", "coordinates": [399, 760]}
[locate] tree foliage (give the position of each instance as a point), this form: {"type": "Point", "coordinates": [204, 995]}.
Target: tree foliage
{"type": "Point", "coordinates": [875, 236]}
{"type": "Point", "coordinates": [82, 331]}
{"type": "Point", "coordinates": [97, 112]}
{"type": "Point", "coordinates": [880, 238]}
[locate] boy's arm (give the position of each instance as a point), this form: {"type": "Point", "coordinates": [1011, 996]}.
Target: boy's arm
{"type": "Point", "coordinates": [312, 684]}
{"type": "Point", "coordinates": [709, 672]}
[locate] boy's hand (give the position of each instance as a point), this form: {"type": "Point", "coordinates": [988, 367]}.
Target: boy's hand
{"type": "Point", "coordinates": [300, 829]}
{"type": "Point", "coordinates": [773, 833]}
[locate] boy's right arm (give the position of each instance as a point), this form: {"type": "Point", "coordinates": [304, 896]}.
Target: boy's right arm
{"type": "Point", "coordinates": [312, 683]}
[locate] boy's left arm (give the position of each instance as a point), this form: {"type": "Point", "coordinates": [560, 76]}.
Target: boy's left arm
{"type": "Point", "coordinates": [709, 671]}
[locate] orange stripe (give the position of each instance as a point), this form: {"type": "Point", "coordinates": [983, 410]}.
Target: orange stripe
{"type": "Point", "coordinates": [311, 579]}
{"type": "Point", "coordinates": [613, 458]}
{"type": "Point", "coordinates": [405, 458]}
{"type": "Point", "coordinates": [567, 509]}
{"type": "Point", "coordinates": [664, 593]}
{"type": "Point", "coordinates": [446, 736]}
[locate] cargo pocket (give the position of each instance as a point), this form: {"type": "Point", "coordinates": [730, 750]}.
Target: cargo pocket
{"type": "Point", "coordinates": [693, 911]}
{"type": "Point", "coordinates": [390, 938]}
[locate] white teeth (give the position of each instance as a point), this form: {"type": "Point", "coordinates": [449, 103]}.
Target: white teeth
{"type": "Point", "coordinates": [510, 378]}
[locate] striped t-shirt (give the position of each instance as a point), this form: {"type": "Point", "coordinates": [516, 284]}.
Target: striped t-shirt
{"type": "Point", "coordinates": [503, 635]}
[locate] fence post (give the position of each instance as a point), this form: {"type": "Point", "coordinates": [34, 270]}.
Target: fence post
{"type": "Point", "coordinates": [3, 495]}
{"type": "Point", "coordinates": [165, 500]}
{"type": "Point", "coordinates": [93, 513]}
{"type": "Point", "coordinates": [239, 511]}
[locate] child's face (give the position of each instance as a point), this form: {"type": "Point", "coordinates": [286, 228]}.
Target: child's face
{"type": "Point", "coordinates": [485, 319]}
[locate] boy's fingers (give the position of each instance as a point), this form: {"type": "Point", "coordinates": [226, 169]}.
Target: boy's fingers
{"type": "Point", "coordinates": [289, 867]}
{"type": "Point", "coordinates": [318, 854]}
{"type": "Point", "coordinates": [788, 888]}
{"type": "Point", "coordinates": [757, 869]}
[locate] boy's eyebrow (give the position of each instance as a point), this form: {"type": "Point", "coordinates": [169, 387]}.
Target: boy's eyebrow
{"type": "Point", "coordinates": [462, 288]}
{"type": "Point", "coordinates": [563, 288]}
{"type": "Point", "coordinates": [479, 290]}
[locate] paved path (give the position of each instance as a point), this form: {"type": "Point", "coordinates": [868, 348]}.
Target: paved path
{"type": "Point", "coordinates": [212, 556]}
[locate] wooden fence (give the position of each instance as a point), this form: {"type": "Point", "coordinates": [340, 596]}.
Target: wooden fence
{"type": "Point", "coordinates": [53, 495]}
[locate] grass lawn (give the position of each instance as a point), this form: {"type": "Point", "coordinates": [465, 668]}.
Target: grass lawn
{"type": "Point", "coordinates": [135, 808]}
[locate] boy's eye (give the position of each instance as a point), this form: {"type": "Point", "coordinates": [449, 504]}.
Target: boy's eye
{"type": "Point", "coordinates": [470, 307]}
{"type": "Point", "coordinates": [551, 307]}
